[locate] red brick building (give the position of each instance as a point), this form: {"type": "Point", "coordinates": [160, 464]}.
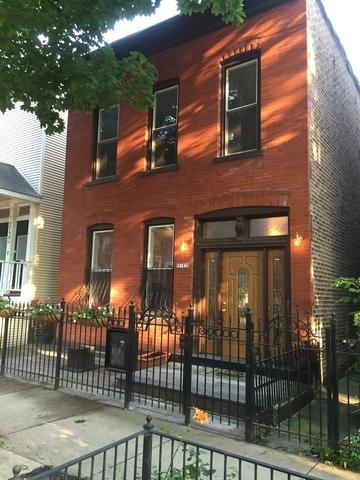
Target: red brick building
{"type": "Point", "coordinates": [228, 191]}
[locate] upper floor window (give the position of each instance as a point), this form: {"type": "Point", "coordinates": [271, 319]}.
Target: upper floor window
{"type": "Point", "coordinates": [107, 137]}
{"type": "Point", "coordinates": [164, 128]}
{"type": "Point", "coordinates": [241, 126]}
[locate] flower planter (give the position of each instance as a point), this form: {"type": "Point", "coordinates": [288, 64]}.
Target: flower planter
{"type": "Point", "coordinates": [93, 322]}
{"type": "Point", "coordinates": [48, 317]}
{"type": "Point", "coordinates": [7, 312]}
{"type": "Point", "coordinates": [151, 359]}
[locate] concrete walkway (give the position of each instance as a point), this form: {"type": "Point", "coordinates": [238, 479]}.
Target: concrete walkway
{"type": "Point", "coordinates": [39, 426]}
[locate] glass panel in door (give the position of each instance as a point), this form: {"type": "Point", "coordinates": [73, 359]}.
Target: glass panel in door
{"type": "Point", "coordinates": [210, 308]}
{"type": "Point", "coordinates": [276, 307]}
{"type": "Point", "coordinates": [212, 288]}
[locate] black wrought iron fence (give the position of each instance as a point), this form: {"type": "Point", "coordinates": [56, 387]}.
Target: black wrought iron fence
{"type": "Point", "coordinates": [308, 396]}
{"type": "Point", "coordinates": [58, 349]}
{"type": "Point", "coordinates": [277, 384]}
{"type": "Point", "coordinates": [151, 454]}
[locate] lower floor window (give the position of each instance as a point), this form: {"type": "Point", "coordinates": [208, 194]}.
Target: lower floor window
{"type": "Point", "coordinates": [100, 267]}
{"type": "Point", "coordinates": [158, 288]}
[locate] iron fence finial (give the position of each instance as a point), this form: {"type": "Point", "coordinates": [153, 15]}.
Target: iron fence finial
{"type": "Point", "coordinates": [148, 425]}
{"type": "Point", "coordinates": [147, 450]}
{"type": "Point", "coordinates": [16, 472]}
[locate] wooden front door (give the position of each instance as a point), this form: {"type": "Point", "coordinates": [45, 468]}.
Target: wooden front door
{"type": "Point", "coordinates": [235, 281]}
{"type": "Point", "coordinates": [241, 288]}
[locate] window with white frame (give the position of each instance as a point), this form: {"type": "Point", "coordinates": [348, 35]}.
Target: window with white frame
{"type": "Point", "coordinates": [24, 210]}
{"type": "Point", "coordinates": [4, 230]}
{"type": "Point", "coordinates": [164, 128]}
{"type": "Point", "coordinates": [159, 266]}
{"type": "Point", "coordinates": [101, 266]}
{"type": "Point", "coordinates": [107, 139]}
{"type": "Point", "coordinates": [4, 213]}
{"type": "Point", "coordinates": [21, 243]}
{"type": "Point", "coordinates": [241, 126]}
{"type": "Point", "coordinates": [22, 233]}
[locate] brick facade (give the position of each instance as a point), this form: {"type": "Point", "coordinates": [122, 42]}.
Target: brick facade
{"type": "Point", "coordinates": [280, 177]}
{"type": "Point", "coordinates": [334, 146]}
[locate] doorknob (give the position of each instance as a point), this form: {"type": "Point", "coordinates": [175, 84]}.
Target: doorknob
{"type": "Point", "coordinates": [223, 307]}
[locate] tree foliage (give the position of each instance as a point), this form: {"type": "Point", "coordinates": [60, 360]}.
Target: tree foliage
{"type": "Point", "coordinates": [53, 57]}
{"type": "Point", "coordinates": [351, 294]}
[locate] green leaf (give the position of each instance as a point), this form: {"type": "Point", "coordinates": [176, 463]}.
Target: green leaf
{"type": "Point", "coordinates": [48, 64]}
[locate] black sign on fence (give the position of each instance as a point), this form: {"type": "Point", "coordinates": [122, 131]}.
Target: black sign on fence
{"type": "Point", "coordinates": [117, 348]}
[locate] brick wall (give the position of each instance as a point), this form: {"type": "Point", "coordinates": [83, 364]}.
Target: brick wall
{"type": "Point", "coordinates": [334, 136]}
{"type": "Point", "coordinates": [279, 177]}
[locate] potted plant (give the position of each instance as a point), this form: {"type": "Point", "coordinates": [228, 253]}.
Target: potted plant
{"type": "Point", "coordinates": [6, 309]}
{"type": "Point", "coordinates": [44, 312]}
{"type": "Point", "coordinates": [93, 315]}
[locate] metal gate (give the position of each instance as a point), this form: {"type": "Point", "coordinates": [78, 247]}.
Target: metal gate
{"type": "Point", "coordinates": [157, 368]}
{"type": "Point", "coordinates": [184, 365]}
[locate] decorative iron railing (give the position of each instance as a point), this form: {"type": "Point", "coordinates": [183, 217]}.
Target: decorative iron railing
{"type": "Point", "coordinates": [151, 454]}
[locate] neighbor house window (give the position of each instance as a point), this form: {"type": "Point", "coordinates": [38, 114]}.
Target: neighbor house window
{"type": "Point", "coordinates": [100, 266]}
{"type": "Point", "coordinates": [4, 228]}
{"type": "Point", "coordinates": [241, 123]}
{"type": "Point", "coordinates": [24, 210]}
{"type": "Point", "coordinates": [159, 266]}
{"type": "Point", "coordinates": [107, 137]}
{"type": "Point", "coordinates": [164, 128]}
{"type": "Point", "coordinates": [21, 242]}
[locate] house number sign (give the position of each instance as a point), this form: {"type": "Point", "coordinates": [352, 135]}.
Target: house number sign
{"type": "Point", "coordinates": [182, 265]}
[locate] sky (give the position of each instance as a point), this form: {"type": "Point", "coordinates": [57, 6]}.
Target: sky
{"type": "Point", "coordinates": [344, 15]}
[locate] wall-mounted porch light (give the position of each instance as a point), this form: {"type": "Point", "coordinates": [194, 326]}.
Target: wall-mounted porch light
{"type": "Point", "coordinates": [298, 240]}
{"type": "Point", "coordinates": [40, 222]}
{"type": "Point", "coordinates": [184, 246]}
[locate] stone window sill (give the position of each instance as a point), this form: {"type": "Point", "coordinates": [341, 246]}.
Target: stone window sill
{"type": "Point", "coordinates": [155, 171]}
{"type": "Point", "coordinates": [100, 181]}
{"type": "Point", "coordinates": [239, 156]}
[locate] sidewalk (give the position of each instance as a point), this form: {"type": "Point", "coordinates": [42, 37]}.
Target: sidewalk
{"type": "Point", "coordinates": [39, 426]}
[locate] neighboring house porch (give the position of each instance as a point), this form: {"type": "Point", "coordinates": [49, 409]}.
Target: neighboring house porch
{"type": "Point", "coordinates": [32, 169]}
{"type": "Point", "coordinates": [19, 221]}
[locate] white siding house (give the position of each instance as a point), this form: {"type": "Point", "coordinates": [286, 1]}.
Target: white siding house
{"type": "Point", "coordinates": [31, 202]}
